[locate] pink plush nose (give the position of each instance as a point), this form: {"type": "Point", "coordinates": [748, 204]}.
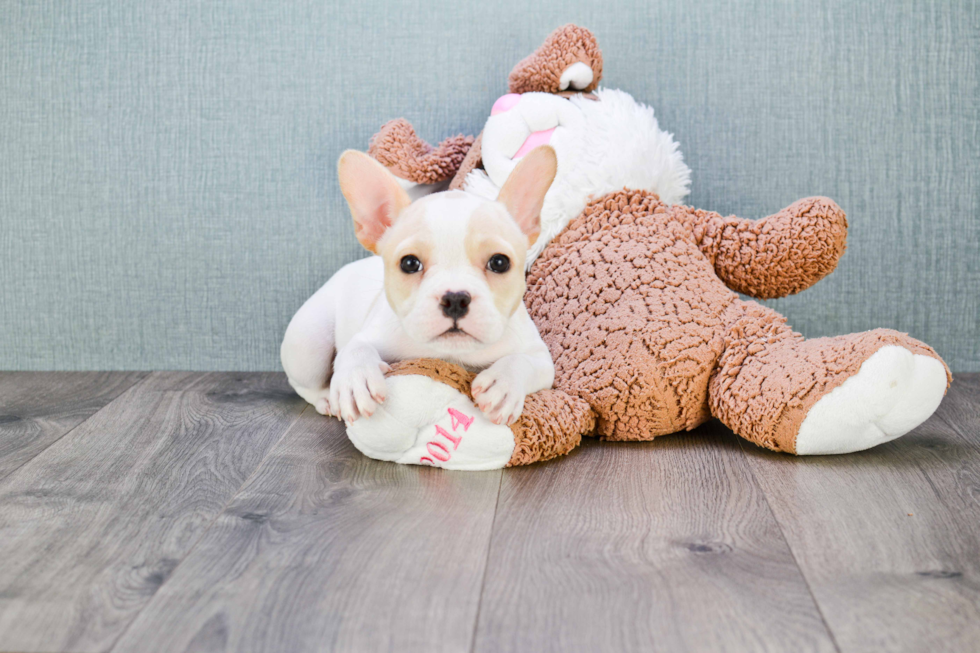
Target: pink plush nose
{"type": "Point", "coordinates": [534, 140]}
{"type": "Point", "coordinates": [505, 103]}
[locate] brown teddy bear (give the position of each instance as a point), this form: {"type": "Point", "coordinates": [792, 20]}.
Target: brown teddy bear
{"type": "Point", "coordinates": [635, 295]}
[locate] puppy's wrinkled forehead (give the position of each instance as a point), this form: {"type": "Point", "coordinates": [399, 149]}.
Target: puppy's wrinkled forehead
{"type": "Point", "coordinates": [454, 228]}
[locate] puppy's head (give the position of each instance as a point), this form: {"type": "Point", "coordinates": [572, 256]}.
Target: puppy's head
{"type": "Point", "coordinates": [454, 262]}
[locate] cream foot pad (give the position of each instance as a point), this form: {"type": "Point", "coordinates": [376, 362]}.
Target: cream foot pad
{"type": "Point", "coordinates": [893, 392]}
{"type": "Point", "coordinates": [427, 422]}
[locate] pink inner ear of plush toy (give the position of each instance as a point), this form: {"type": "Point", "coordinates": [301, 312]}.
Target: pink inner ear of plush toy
{"type": "Point", "coordinates": [535, 139]}
{"type": "Point", "coordinates": [505, 103]}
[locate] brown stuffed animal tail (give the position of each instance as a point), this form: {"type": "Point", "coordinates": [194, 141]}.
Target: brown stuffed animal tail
{"type": "Point", "coordinates": [779, 255]}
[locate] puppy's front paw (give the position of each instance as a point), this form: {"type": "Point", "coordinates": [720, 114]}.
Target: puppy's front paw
{"type": "Point", "coordinates": [499, 396]}
{"type": "Point", "coordinates": [357, 391]}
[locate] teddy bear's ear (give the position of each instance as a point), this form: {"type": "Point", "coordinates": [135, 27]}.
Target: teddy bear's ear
{"type": "Point", "coordinates": [524, 191]}
{"type": "Point", "coordinates": [398, 148]}
{"type": "Point", "coordinates": [568, 60]}
{"type": "Point", "coordinates": [373, 194]}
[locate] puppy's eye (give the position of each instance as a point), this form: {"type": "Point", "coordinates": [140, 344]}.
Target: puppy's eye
{"type": "Point", "coordinates": [411, 264]}
{"type": "Point", "coordinates": [498, 263]}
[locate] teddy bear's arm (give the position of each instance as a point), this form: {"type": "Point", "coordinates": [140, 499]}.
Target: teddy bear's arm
{"type": "Point", "coordinates": [398, 148]}
{"type": "Point", "coordinates": [778, 255]}
{"type": "Point", "coordinates": [568, 60]}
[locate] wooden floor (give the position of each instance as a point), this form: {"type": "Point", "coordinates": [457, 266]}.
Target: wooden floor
{"type": "Point", "coordinates": [214, 512]}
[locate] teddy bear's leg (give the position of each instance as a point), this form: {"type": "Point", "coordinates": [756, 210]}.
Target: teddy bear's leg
{"type": "Point", "coordinates": [429, 418]}
{"type": "Point", "coordinates": [551, 425]}
{"type": "Point", "coordinates": [826, 395]}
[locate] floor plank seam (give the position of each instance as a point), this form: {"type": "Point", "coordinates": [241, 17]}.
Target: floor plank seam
{"type": "Point", "coordinates": [970, 441]}
{"type": "Point", "coordinates": [208, 528]}
{"type": "Point", "coordinates": [925, 475]}
{"type": "Point", "coordinates": [792, 553]}
{"type": "Point", "coordinates": [135, 384]}
{"type": "Point", "coordinates": [932, 486]}
{"type": "Point", "coordinates": [486, 564]}
{"type": "Point", "coordinates": [140, 498]}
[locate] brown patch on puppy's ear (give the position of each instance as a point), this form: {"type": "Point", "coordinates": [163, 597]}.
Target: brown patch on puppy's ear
{"type": "Point", "coordinates": [373, 194]}
{"type": "Point", "coordinates": [524, 191]}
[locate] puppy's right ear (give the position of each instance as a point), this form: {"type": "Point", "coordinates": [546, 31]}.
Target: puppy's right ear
{"type": "Point", "coordinates": [373, 194]}
{"type": "Point", "coordinates": [524, 191]}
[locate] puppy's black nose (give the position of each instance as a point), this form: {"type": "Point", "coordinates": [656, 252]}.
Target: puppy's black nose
{"type": "Point", "coordinates": [455, 304]}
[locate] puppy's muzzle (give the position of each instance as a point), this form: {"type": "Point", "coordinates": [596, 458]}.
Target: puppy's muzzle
{"type": "Point", "coordinates": [455, 304]}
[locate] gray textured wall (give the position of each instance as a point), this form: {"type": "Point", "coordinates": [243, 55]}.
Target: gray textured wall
{"type": "Point", "coordinates": [167, 192]}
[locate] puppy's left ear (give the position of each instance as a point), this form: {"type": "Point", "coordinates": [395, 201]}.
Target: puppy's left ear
{"type": "Point", "coordinates": [523, 192]}
{"type": "Point", "coordinates": [373, 194]}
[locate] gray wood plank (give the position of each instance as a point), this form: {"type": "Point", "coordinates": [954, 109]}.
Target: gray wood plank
{"type": "Point", "coordinates": [325, 549]}
{"type": "Point", "coordinates": [961, 407]}
{"type": "Point", "coordinates": [37, 408]}
{"type": "Point", "coordinates": [91, 527]}
{"type": "Point", "coordinates": [888, 539]}
{"type": "Point", "coordinates": [660, 546]}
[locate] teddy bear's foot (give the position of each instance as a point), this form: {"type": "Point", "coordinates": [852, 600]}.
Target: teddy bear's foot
{"type": "Point", "coordinates": [551, 425]}
{"type": "Point", "coordinates": [893, 392]}
{"type": "Point", "coordinates": [825, 395]}
{"type": "Point", "coordinates": [429, 418]}
{"type": "Point", "coordinates": [425, 421]}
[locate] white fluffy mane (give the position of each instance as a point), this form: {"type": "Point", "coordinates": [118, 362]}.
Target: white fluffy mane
{"type": "Point", "coordinates": [617, 143]}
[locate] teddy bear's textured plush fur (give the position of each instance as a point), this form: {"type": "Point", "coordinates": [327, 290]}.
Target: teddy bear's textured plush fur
{"type": "Point", "coordinates": [541, 71]}
{"type": "Point", "coordinates": [637, 302]}
{"type": "Point", "coordinates": [408, 157]}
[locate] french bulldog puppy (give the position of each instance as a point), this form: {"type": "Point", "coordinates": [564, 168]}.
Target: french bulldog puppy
{"type": "Point", "coordinates": [446, 281]}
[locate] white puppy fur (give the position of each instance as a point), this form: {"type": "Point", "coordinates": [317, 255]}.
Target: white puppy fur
{"type": "Point", "coordinates": [448, 282]}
